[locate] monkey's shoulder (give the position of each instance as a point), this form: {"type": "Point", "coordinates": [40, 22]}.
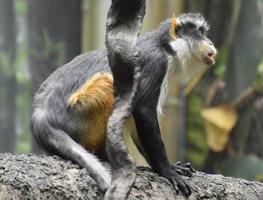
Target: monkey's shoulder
{"type": "Point", "coordinates": [71, 76]}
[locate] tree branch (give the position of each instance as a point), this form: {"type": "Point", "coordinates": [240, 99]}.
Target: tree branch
{"type": "Point", "coordinates": [46, 177]}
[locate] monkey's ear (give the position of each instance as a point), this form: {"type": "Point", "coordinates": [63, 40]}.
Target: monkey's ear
{"type": "Point", "coordinates": [173, 28]}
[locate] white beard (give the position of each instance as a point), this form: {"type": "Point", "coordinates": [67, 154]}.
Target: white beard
{"type": "Point", "coordinates": [184, 66]}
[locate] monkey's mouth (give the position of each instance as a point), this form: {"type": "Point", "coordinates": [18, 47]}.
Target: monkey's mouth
{"type": "Point", "coordinates": [209, 59]}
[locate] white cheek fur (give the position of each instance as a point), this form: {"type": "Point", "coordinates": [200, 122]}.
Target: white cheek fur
{"type": "Point", "coordinates": [185, 65]}
{"type": "Point", "coordinates": [183, 53]}
{"type": "Point", "coordinates": [189, 63]}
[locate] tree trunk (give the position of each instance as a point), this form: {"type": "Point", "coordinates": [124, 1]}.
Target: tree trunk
{"type": "Point", "coordinates": [7, 76]}
{"type": "Point", "coordinates": [43, 177]}
{"type": "Point", "coordinates": [246, 49]}
{"type": "Point", "coordinates": [244, 58]}
{"type": "Point", "coordinates": [54, 29]}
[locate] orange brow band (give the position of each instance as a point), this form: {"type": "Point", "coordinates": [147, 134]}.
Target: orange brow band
{"type": "Point", "coordinates": [173, 27]}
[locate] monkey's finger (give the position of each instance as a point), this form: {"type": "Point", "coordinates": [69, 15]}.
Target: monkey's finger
{"type": "Point", "coordinates": [183, 170]}
{"type": "Point", "coordinates": [182, 185]}
{"type": "Point", "coordinates": [175, 186]}
{"type": "Point", "coordinates": [185, 188]}
{"type": "Point", "coordinates": [178, 163]}
{"type": "Point", "coordinates": [178, 171]}
{"type": "Point", "coordinates": [188, 165]}
{"type": "Point", "coordinates": [184, 166]}
{"type": "Point", "coordinates": [186, 171]}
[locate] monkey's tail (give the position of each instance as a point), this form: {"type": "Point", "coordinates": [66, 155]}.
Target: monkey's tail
{"type": "Point", "coordinates": [55, 140]}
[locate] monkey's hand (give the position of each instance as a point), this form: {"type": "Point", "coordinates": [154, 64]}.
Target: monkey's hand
{"type": "Point", "coordinates": [171, 173]}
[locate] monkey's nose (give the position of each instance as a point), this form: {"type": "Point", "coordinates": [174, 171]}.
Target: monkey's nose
{"type": "Point", "coordinates": [211, 54]}
{"type": "Point", "coordinates": [209, 59]}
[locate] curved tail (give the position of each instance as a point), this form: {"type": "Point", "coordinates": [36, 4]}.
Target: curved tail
{"type": "Point", "coordinates": [123, 26]}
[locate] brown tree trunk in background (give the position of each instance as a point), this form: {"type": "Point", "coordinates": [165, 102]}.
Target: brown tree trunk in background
{"type": "Point", "coordinates": [54, 29]}
{"type": "Point", "coordinates": [7, 76]}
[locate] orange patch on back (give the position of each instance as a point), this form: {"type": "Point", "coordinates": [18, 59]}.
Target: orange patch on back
{"type": "Point", "coordinates": [95, 100]}
{"type": "Point", "coordinates": [96, 94]}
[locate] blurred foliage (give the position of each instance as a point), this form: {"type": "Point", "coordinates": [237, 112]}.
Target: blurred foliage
{"type": "Point", "coordinates": [197, 147]}
{"type": "Point", "coordinates": [220, 68]}
{"type": "Point", "coordinates": [24, 96]}
{"type": "Point", "coordinates": [20, 7]}
{"type": "Point", "coordinates": [248, 166]}
{"type": "Point", "coordinates": [24, 138]}
{"type": "Point", "coordinates": [50, 49]}
{"type": "Point", "coordinates": [5, 64]}
{"type": "Point", "coordinates": [258, 84]}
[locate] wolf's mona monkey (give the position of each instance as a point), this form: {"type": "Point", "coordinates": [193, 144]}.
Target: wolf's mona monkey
{"type": "Point", "coordinates": [71, 108]}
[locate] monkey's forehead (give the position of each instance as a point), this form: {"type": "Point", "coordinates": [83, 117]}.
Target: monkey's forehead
{"type": "Point", "coordinates": [195, 18]}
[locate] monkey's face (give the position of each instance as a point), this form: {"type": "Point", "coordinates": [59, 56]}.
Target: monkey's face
{"type": "Point", "coordinates": [189, 41]}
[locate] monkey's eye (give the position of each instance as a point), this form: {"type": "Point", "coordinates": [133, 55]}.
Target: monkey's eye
{"type": "Point", "coordinates": [190, 26]}
{"type": "Point", "coordinates": [178, 28]}
{"type": "Point", "coordinates": [202, 30]}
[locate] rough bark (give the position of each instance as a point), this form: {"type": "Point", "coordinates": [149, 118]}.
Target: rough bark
{"type": "Point", "coordinates": [45, 177]}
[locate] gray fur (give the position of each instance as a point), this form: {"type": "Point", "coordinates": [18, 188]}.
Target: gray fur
{"type": "Point", "coordinates": [195, 18]}
{"type": "Point", "coordinates": [54, 126]}
{"type": "Point", "coordinates": [139, 67]}
{"type": "Point", "coordinates": [123, 26]}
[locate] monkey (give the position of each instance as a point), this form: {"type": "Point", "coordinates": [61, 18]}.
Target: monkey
{"type": "Point", "coordinates": [71, 107]}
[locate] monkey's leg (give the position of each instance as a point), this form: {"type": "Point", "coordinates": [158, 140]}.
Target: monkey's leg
{"type": "Point", "coordinates": [56, 140]}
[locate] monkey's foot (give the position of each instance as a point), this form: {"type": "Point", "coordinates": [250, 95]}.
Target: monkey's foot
{"type": "Point", "coordinates": [177, 181]}
{"type": "Point", "coordinates": [185, 169]}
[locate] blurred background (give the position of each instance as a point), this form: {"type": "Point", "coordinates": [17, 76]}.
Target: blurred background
{"type": "Point", "coordinates": [216, 122]}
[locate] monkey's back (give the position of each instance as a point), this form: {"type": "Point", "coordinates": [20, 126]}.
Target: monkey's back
{"type": "Point", "coordinates": [78, 96]}
{"type": "Point", "coordinates": [75, 73]}
{"type": "Point", "coordinates": [51, 103]}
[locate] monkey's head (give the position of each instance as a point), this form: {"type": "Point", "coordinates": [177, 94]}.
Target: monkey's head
{"type": "Point", "coordinates": [187, 42]}
{"type": "Point", "coordinates": [188, 38]}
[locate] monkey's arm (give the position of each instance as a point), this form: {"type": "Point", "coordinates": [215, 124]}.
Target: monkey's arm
{"type": "Point", "coordinates": [149, 134]}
